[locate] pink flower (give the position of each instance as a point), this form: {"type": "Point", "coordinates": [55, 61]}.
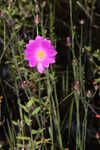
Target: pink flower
{"type": "Point", "coordinates": [40, 53]}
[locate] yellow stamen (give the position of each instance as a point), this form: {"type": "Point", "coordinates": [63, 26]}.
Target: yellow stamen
{"type": "Point", "coordinates": [40, 55]}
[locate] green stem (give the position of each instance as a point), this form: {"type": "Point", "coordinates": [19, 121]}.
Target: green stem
{"type": "Point", "coordinates": [49, 93]}
{"type": "Point", "coordinates": [55, 116]}
{"type": "Point", "coordinates": [42, 26]}
{"type": "Point", "coordinates": [4, 41]}
{"type": "Point", "coordinates": [78, 140]}
{"type": "Point", "coordinates": [52, 18]}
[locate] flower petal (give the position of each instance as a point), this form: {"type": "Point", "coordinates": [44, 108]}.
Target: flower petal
{"type": "Point", "coordinates": [51, 60]}
{"type": "Point", "coordinates": [53, 53]}
{"type": "Point", "coordinates": [46, 64]}
{"type": "Point", "coordinates": [40, 68]}
{"type": "Point", "coordinates": [32, 63]}
{"type": "Point", "coordinates": [39, 37]}
{"type": "Point", "coordinates": [31, 41]}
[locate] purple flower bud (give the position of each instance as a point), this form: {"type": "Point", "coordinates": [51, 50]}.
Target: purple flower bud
{"type": "Point", "coordinates": [37, 19]}
{"type": "Point", "coordinates": [68, 41]}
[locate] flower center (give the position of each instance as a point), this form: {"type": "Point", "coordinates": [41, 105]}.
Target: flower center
{"type": "Point", "coordinates": [40, 55]}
